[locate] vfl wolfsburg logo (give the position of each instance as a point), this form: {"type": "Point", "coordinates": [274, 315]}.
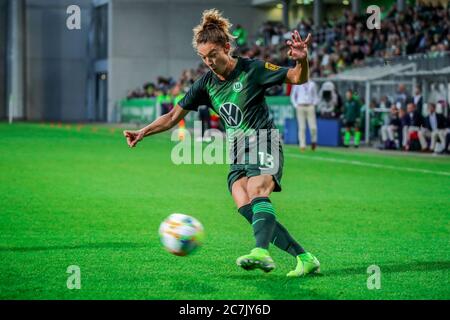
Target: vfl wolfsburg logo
{"type": "Point", "coordinates": [231, 114]}
{"type": "Point", "coordinates": [237, 86]}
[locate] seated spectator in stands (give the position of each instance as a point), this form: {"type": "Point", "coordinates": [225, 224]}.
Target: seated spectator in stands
{"type": "Point", "coordinates": [385, 103]}
{"type": "Point", "coordinates": [149, 89]}
{"type": "Point", "coordinates": [177, 93]}
{"type": "Point", "coordinates": [402, 97]}
{"type": "Point", "coordinates": [402, 117]}
{"type": "Point", "coordinates": [412, 124]}
{"type": "Point", "coordinates": [435, 125]}
{"type": "Point", "coordinates": [136, 93]}
{"type": "Point", "coordinates": [389, 131]}
{"type": "Point", "coordinates": [385, 107]}
{"type": "Point", "coordinates": [165, 101]}
{"type": "Point", "coordinates": [130, 94]}
{"type": "Point", "coordinates": [351, 119]}
{"type": "Point", "coordinates": [163, 84]}
{"type": "Point", "coordinates": [447, 136]}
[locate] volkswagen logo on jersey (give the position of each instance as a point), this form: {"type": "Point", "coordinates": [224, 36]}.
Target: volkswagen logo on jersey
{"type": "Point", "coordinates": [237, 86]}
{"type": "Point", "coordinates": [231, 114]}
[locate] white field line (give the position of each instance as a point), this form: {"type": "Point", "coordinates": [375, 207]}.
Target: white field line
{"type": "Point", "coordinates": [367, 164]}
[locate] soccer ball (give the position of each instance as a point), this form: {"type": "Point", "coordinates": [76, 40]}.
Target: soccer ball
{"type": "Point", "coordinates": [181, 234]}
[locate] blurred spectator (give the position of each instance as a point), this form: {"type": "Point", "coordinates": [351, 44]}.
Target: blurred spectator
{"type": "Point", "coordinates": [136, 93]}
{"type": "Point", "coordinates": [412, 123]}
{"type": "Point", "coordinates": [385, 103]}
{"type": "Point", "coordinates": [435, 125]}
{"type": "Point", "coordinates": [389, 131]}
{"type": "Point", "coordinates": [402, 97]}
{"type": "Point", "coordinates": [177, 94]}
{"type": "Point", "coordinates": [149, 89]}
{"type": "Point", "coordinates": [164, 100]}
{"type": "Point", "coordinates": [384, 106]}
{"type": "Point", "coordinates": [447, 136]}
{"type": "Point", "coordinates": [418, 100]}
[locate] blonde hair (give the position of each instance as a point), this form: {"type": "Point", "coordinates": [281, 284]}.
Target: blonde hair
{"type": "Point", "coordinates": [212, 28]}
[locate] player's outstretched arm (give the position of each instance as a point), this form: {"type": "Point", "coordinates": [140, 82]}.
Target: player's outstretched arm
{"type": "Point", "coordinates": [298, 51]}
{"type": "Point", "coordinates": [163, 123]}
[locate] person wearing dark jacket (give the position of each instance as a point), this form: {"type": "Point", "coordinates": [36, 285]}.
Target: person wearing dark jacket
{"type": "Point", "coordinates": [435, 125]}
{"type": "Point", "coordinates": [418, 99]}
{"type": "Point", "coordinates": [447, 136]}
{"type": "Point", "coordinates": [412, 126]}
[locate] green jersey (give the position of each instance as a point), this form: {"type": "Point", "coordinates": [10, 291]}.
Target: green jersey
{"type": "Point", "coordinates": [352, 110]}
{"type": "Point", "coordinates": [238, 100]}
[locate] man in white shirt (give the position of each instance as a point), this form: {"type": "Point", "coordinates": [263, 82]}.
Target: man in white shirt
{"type": "Point", "coordinates": [304, 97]}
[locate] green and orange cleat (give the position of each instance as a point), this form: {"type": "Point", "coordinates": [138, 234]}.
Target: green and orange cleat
{"type": "Point", "coordinates": [306, 264]}
{"type": "Point", "coordinates": [258, 258]}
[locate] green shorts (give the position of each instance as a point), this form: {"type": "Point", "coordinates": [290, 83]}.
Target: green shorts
{"type": "Point", "coordinates": [273, 166]}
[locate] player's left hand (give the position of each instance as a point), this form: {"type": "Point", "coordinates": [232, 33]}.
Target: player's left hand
{"type": "Point", "coordinates": [298, 49]}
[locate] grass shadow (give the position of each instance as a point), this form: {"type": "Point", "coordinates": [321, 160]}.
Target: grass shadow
{"type": "Point", "coordinates": [279, 287]}
{"type": "Point", "coordinates": [391, 268]}
{"type": "Point", "coordinates": [106, 245]}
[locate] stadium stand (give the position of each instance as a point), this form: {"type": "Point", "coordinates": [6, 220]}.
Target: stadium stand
{"type": "Point", "coordinates": [410, 49]}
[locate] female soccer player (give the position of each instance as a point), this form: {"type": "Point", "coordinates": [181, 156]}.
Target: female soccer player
{"type": "Point", "coordinates": [234, 88]}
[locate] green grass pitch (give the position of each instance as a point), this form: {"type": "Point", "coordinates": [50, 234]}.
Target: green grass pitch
{"type": "Point", "coordinates": [70, 197]}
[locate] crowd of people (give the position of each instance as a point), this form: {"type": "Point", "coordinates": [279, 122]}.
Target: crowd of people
{"type": "Point", "coordinates": [348, 42]}
{"type": "Point", "coordinates": [337, 46]}
{"type": "Point", "coordinates": [402, 121]}
{"type": "Point", "coordinates": [411, 126]}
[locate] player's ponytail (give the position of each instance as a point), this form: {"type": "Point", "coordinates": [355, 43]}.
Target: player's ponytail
{"type": "Point", "coordinates": [213, 28]}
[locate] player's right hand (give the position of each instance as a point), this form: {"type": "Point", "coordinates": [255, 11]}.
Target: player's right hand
{"type": "Point", "coordinates": [133, 137]}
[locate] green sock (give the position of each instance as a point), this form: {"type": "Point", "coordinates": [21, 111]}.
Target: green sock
{"type": "Point", "coordinates": [263, 221]}
{"type": "Point", "coordinates": [347, 137]}
{"type": "Point", "coordinates": [281, 237]}
{"type": "Point", "coordinates": [357, 137]}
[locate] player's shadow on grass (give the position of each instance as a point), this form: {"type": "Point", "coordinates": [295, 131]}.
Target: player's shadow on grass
{"type": "Point", "coordinates": [360, 270]}
{"type": "Point", "coordinates": [391, 268]}
{"type": "Point", "coordinates": [106, 245]}
{"type": "Point", "coordinates": [278, 286]}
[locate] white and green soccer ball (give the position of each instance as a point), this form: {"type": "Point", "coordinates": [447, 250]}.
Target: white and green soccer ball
{"type": "Point", "coordinates": [181, 234]}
